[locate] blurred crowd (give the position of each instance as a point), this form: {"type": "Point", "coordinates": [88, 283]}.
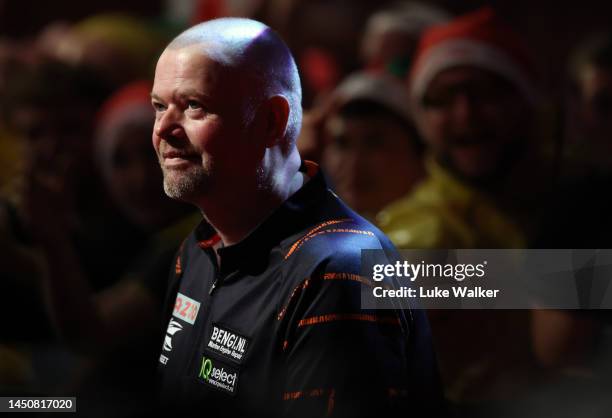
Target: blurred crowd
{"type": "Point", "coordinates": [440, 130]}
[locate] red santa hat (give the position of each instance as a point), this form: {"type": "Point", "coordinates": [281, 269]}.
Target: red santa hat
{"type": "Point", "coordinates": [131, 103]}
{"type": "Point", "coordinates": [476, 39]}
{"type": "Point", "coordinates": [136, 94]}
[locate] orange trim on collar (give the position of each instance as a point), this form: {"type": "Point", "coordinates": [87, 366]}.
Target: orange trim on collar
{"type": "Point", "coordinates": [312, 168]}
{"type": "Point", "coordinates": [208, 243]}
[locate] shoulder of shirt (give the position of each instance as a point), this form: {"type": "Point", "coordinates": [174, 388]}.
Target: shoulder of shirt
{"type": "Point", "coordinates": [334, 243]}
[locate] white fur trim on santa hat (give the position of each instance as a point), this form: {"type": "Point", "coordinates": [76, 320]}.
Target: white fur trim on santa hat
{"type": "Point", "coordinates": [470, 52]}
{"type": "Point", "coordinates": [379, 88]}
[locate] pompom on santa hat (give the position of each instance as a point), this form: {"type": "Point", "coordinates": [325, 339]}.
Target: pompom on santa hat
{"type": "Point", "coordinates": [478, 39]}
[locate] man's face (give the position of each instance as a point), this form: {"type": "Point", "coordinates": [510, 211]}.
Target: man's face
{"type": "Point", "coordinates": [474, 120]}
{"type": "Point", "coordinates": [370, 161]}
{"type": "Point", "coordinates": [199, 133]}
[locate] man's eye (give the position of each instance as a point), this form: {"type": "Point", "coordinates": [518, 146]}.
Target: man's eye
{"type": "Point", "coordinates": [436, 101]}
{"type": "Point", "coordinates": [158, 107]}
{"type": "Point", "coordinates": [194, 105]}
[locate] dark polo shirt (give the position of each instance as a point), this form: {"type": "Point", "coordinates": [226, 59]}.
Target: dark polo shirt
{"type": "Point", "coordinates": [277, 329]}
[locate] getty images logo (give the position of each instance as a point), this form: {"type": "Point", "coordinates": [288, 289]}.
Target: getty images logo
{"type": "Point", "coordinates": [218, 375]}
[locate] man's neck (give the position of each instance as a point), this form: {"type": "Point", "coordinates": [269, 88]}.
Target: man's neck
{"type": "Point", "coordinates": [236, 214]}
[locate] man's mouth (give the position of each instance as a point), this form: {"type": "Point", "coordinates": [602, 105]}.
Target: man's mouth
{"type": "Point", "coordinates": [177, 158]}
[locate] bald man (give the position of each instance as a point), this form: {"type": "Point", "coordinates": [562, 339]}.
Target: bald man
{"type": "Point", "coordinates": [264, 310]}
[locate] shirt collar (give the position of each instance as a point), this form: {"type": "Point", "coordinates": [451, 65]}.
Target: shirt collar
{"type": "Point", "coordinates": [251, 254]}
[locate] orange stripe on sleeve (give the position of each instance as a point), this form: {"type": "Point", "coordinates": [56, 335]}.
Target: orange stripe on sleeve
{"type": "Point", "coordinates": [356, 278]}
{"type": "Point", "coordinates": [298, 289]}
{"type": "Point", "coordinates": [312, 393]}
{"type": "Point", "coordinates": [321, 319]}
{"type": "Point", "coordinates": [348, 276]}
{"type": "Point", "coordinates": [331, 402]}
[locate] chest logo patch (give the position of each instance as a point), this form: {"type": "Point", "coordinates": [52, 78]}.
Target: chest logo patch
{"type": "Point", "coordinates": [227, 343]}
{"type": "Point", "coordinates": [218, 375]}
{"type": "Point", "coordinates": [186, 308]}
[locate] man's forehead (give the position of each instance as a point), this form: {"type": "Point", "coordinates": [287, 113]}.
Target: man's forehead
{"type": "Point", "coordinates": [462, 74]}
{"type": "Point", "coordinates": [189, 64]}
{"type": "Point", "coordinates": [188, 57]}
{"type": "Point", "coordinates": [201, 57]}
{"type": "Point", "coordinates": [190, 71]}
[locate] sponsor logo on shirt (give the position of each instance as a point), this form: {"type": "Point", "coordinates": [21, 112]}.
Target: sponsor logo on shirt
{"type": "Point", "coordinates": [227, 343]}
{"type": "Point", "coordinates": [186, 308]}
{"type": "Point", "coordinates": [173, 327]}
{"type": "Point", "coordinates": [218, 375]}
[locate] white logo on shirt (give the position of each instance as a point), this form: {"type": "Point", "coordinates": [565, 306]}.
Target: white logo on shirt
{"type": "Point", "coordinates": [173, 328]}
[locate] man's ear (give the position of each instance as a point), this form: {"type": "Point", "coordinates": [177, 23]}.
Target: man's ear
{"type": "Point", "coordinates": [273, 115]}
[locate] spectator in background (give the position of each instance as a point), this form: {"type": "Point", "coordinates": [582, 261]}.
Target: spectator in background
{"type": "Point", "coordinates": [117, 48]}
{"type": "Point", "coordinates": [392, 34]}
{"type": "Point", "coordinates": [116, 329]}
{"type": "Point", "coordinates": [387, 45]}
{"type": "Point", "coordinates": [122, 153]}
{"type": "Point", "coordinates": [590, 107]}
{"type": "Point", "coordinates": [20, 268]}
{"type": "Point", "coordinates": [20, 276]}
{"type": "Point", "coordinates": [53, 106]}
{"type": "Point", "coordinates": [48, 105]}
{"type": "Point", "coordinates": [475, 98]}
{"type": "Point", "coordinates": [373, 154]}
{"type": "Point", "coordinates": [47, 109]}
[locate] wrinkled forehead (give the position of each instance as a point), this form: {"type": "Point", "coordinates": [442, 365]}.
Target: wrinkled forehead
{"type": "Point", "coordinates": [192, 68]}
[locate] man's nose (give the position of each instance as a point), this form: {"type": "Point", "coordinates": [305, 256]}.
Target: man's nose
{"type": "Point", "coordinates": [169, 125]}
{"type": "Point", "coordinates": [463, 106]}
{"type": "Point", "coordinates": [464, 112]}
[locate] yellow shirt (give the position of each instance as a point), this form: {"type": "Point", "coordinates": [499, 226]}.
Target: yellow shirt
{"type": "Point", "coordinates": [443, 212]}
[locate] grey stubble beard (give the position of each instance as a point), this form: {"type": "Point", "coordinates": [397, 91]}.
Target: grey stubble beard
{"type": "Point", "coordinates": [186, 185]}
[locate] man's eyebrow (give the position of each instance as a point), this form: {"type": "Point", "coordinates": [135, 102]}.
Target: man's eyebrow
{"type": "Point", "coordinates": [185, 93]}
{"type": "Point", "coordinates": [189, 92]}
